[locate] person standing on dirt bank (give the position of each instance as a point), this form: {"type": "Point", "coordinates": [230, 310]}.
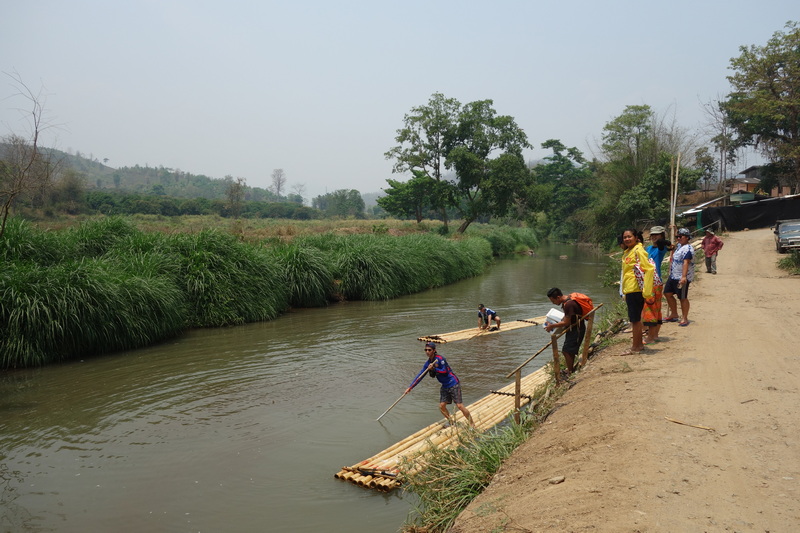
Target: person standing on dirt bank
{"type": "Point", "coordinates": [711, 245]}
{"type": "Point", "coordinates": [437, 367]}
{"type": "Point", "coordinates": [636, 284]}
{"type": "Point", "coordinates": [485, 316]}
{"type": "Point", "coordinates": [681, 274]}
{"type": "Point", "coordinates": [572, 319]}
{"type": "Point", "coordinates": [651, 314]}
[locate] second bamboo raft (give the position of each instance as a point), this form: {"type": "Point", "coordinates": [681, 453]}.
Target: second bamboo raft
{"type": "Point", "coordinates": [382, 471]}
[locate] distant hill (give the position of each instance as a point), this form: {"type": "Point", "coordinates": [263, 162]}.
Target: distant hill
{"type": "Point", "coordinates": [162, 181]}
{"type": "Point", "coordinates": [153, 180]}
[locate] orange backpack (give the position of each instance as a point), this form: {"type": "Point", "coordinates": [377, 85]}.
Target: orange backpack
{"type": "Point", "coordinates": [584, 301]}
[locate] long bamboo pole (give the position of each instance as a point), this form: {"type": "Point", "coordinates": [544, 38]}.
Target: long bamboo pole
{"type": "Point", "coordinates": [671, 198]}
{"type": "Point", "coordinates": [404, 394]}
{"type": "Point", "coordinates": [677, 182]}
{"type": "Point", "coordinates": [674, 173]}
{"type": "Point", "coordinates": [390, 407]}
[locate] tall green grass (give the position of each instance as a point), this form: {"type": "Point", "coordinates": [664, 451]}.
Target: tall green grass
{"type": "Point", "coordinates": [21, 241]}
{"type": "Point", "coordinates": [105, 285]}
{"type": "Point", "coordinates": [505, 240]}
{"type": "Point", "coordinates": [369, 269]}
{"type": "Point", "coordinates": [97, 237]}
{"type": "Point", "coordinates": [380, 267]}
{"type": "Point", "coordinates": [372, 267]}
{"type": "Point", "coordinates": [307, 274]}
{"type": "Point", "coordinates": [81, 308]}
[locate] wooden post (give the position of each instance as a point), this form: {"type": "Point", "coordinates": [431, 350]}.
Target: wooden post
{"type": "Point", "coordinates": [673, 179]}
{"type": "Point", "coordinates": [671, 232]}
{"type": "Point", "coordinates": [556, 363]}
{"type": "Point", "coordinates": [517, 393]}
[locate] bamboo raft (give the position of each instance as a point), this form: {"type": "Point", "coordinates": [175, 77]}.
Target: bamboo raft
{"type": "Point", "coordinates": [383, 471]}
{"type": "Point", "coordinates": [468, 334]}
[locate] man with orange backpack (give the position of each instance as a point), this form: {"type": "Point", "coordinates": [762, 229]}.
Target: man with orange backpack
{"type": "Point", "coordinates": [573, 306]}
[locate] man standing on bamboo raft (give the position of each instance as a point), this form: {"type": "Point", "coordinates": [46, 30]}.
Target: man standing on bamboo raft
{"type": "Point", "coordinates": [437, 367]}
{"type": "Point", "coordinates": [572, 319]}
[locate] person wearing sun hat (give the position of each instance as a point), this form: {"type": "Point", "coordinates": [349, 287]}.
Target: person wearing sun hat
{"type": "Point", "coordinates": [681, 274]}
{"type": "Point", "coordinates": [711, 245]}
{"type": "Point", "coordinates": [437, 367]}
{"type": "Point", "coordinates": [651, 314]}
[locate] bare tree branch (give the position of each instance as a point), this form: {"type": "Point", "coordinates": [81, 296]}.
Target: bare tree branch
{"type": "Point", "coordinates": [25, 168]}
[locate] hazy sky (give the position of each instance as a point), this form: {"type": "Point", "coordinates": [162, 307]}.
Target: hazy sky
{"type": "Point", "coordinates": [319, 88]}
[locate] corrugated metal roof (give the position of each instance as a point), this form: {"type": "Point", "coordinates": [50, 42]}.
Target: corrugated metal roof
{"type": "Point", "coordinates": [698, 208]}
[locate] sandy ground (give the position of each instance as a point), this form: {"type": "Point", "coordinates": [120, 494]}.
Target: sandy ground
{"type": "Point", "coordinates": [620, 439]}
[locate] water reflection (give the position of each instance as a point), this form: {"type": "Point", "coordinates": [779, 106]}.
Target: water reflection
{"type": "Point", "coordinates": [242, 429]}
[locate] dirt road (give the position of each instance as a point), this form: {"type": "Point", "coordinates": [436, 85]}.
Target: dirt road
{"type": "Point", "coordinates": [618, 436]}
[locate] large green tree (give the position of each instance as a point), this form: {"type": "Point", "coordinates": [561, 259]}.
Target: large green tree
{"type": "Point", "coordinates": [486, 153]}
{"type": "Point", "coordinates": [422, 144]}
{"type": "Point", "coordinates": [764, 106]}
{"type": "Point", "coordinates": [340, 203]}
{"type": "Point", "coordinates": [635, 140]}
{"type": "Point", "coordinates": [482, 148]}
{"type": "Point", "coordinates": [235, 191]}
{"type": "Point", "coordinates": [722, 139]}
{"type": "Point", "coordinates": [567, 180]}
{"type": "Point", "coordinates": [637, 149]}
{"type": "Point", "coordinates": [411, 198]}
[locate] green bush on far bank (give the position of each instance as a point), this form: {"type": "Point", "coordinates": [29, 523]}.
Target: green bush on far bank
{"type": "Point", "coordinates": [85, 307]}
{"type": "Point", "coordinates": [504, 239]}
{"type": "Point", "coordinates": [105, 285]}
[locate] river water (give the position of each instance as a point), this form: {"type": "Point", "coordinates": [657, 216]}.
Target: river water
{"type": "Point", "coordinates": [242, 429]}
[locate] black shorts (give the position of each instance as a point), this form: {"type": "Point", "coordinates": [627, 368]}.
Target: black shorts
{"type": "Point", "coordinates": [635, 302]}
{"type": "Point", "coordinates": [671, 287]}
{"type": "Point", "coordinates": [453, 394]}
{"type": "Point", "coordinates": [573, 338]}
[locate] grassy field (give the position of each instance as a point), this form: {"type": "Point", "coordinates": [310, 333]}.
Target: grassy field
{"type": "Point", "coordinates": [255, 229]}
{"type": "Point", "coordinates": [281, 230]}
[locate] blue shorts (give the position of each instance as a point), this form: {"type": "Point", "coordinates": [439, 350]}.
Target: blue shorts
{"type": "Point", "coordinates": [453, 394]}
